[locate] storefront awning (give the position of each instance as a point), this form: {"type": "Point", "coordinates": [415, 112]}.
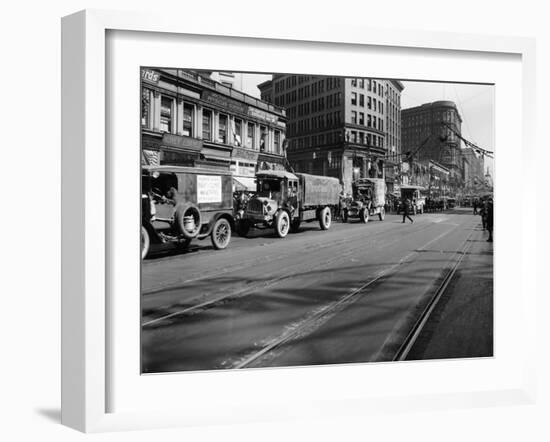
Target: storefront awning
{"type": "Point", "coordinates": [244, 183]}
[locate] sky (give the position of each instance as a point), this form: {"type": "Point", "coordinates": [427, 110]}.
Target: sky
{"type": "Point", "coordinates": [475, 104]}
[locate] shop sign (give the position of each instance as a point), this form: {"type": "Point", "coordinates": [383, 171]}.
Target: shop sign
{"type": "Point", "coordinates": [150, 75]}
{"type": "Point", "coordinates": [244, 154]}
{"type": "Point", "coordinates": [260, 114]}
{"type": "Point", "coordinates": [209, 189]}
{"type": "Point", "coordinates": [232, 106]}
{"type": "Point", "coordinates": [246, 171]}
{"type": "Point", "coordinates": [181, 141]}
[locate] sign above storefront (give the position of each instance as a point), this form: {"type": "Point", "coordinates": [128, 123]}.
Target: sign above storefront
{"type": "Point", "coordinates": [232, 106]}
{"type": "Point", "coordinates": [257, 113]}
{"type": "Point", "coordinates": [244, 154]}
{"type": "Point", "coordinates": [182, 142]}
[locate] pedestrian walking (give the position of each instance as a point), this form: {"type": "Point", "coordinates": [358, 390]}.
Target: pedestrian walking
{"type": "Point", "coordinates": [406, 209]}
{"type": "Point", "coordinates": [490, 220]}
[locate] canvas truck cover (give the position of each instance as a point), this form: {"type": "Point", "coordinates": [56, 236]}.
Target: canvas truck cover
{"type": "Point", "coordinates": [319, 190]}
{"type": "Point", "coordinates": [379, 192]}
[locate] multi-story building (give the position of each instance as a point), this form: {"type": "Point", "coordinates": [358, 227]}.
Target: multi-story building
{"type": "Point", "coordinates": [341, 127]}
{"type": "Point", "coordinates": [189, 119]}
{"type": "Point", "coordinates": [429, 132]}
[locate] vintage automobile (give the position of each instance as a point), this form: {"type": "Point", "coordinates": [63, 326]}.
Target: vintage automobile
{"type": "Point", "coordinates": [416, 197]}
{"type": "Point", "coordinates": [368, 199]}
{"type": "Point", "coordinates": [284, 200]}
{"type": "Point", "coordinates": [180, 204]}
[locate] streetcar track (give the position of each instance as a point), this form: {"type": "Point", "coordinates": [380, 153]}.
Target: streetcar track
{"type": "Point", "coordinates": [411, 338]}
{"type": "Point", "coordinates": [320, 316]}
{"type": "Point", "coordinates": [267, 282]}
{"type": "Point", "coordinates": [267, 258]}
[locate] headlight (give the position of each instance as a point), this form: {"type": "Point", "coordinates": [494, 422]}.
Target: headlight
{"type": "Point", "coordinates": [268, 208]}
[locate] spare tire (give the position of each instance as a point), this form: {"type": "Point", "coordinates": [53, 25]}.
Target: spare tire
{"type": "Point", "coordinates": [187, 220]}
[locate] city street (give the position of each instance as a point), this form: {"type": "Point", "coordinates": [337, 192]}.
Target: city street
{"type": "Point", "coordinates": [349, 294]}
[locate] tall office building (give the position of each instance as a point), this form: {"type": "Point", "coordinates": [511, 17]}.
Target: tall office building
{"type": "Point", "coordinates": [429, 132]}
{"type": "Point", "coordinates": [342, 127]}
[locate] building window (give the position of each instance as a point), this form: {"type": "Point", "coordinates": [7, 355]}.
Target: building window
{"type": "Point", "coordinates": [361, 100]}
{"type": "Point", "coordinates": [166, 114]}
{"type": "Point", "coordinates": [374, 104]}
{"type": "Point", "coordinates": [369, 103]}
{"type": "Point", "coordinates": [145, 106]}
{"type": "Point", "coordinates": [354, 98]}
{"type": "Point", "coordinates": [238, 132]}
{"type": "Point", "coordinates": [222, 129]}
{"type": "Point", "coordinates": [361, 118]}
{"type": "Point", "coordinates": [250, 135]}
{"type": "Point", "coordinates": [277, 141]}
{"type": "Point", "coordinates": [207, 125]}
{"type": "Point", "coordinates": [353, 117]}
{"type": "Point", "coordinates": [188, 118]}
{"type": "Point", "coordinates": [353, 136]}
{"type": "Point", "coordinates": [362, 83]}
{"type": "Point", "coordinates": [263, 138]}
{"type": "Point", "coordinates": [354, 82]}
{"type": "Point", "coordinates": [361, 138]}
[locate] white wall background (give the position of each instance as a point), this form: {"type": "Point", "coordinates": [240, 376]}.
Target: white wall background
{"type": "Point", "coordinates": [30, 141]}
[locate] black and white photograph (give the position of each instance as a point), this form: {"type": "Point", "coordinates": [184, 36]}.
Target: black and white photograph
{"type": "Point", "coordinates": [300, 220]}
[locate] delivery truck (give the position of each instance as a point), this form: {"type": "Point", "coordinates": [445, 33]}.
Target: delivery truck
{"type": "Point", "coordinates": [284, 200]}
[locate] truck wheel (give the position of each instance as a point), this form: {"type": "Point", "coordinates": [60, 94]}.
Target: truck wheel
{"type": "Point", "coordinates": [188, 220]}
{"type": "Point", "coordinates": [382, 214]}
{"type": "Point", "coordinates": [244, 228]}
{"type": "Point", "coordinates": [295, 225]}
{"type": "Point", "coordinates": [221, 234]}
{"type": "Point", "coordinates": [282, 224]}
{"type": "Point", "coordinates": [145, 242]}
{"type": "Point", "coordinates": [325, 218]}
{"type": "Point", "coordinates": [364, 216]}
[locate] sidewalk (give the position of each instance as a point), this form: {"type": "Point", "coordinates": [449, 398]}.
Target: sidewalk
{"type": "Point", "coordinates": [461, 325]}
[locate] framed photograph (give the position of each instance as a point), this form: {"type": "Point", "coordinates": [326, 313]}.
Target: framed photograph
{"type": "Point", "coordinates": [291, 222]}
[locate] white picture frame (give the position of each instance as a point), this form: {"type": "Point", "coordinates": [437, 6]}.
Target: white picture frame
{"type": "Point", "coordinates": [87, 356]}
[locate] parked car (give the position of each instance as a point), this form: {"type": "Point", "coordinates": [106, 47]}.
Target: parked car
{"type": "Point", "coordinates": [180, 204]}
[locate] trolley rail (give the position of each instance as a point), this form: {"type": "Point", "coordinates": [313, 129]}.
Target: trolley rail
{"type": "Point", "coordinates": [416, 330]}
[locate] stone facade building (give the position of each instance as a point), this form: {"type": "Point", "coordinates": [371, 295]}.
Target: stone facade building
{"type": "Point", "coordinates": [428, 133]}
{"type": "Point", "coordinates": [342, 127]}
{"type": "Point", "coordinates": [191, 120]}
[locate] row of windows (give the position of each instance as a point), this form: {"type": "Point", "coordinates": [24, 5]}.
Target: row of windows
{"type": "Point", "coordinates": [371, 85]}
{"type": "Point", "coordinates": [359, 118]}
{"type": "Point", "coordinates": [317, 122]}
{"type": "Point", "coordinates": [366, 138]}
{"type": "Point", "coordinates": [228, 130]}
{"type": "Point", "coordinates": [372, 103]}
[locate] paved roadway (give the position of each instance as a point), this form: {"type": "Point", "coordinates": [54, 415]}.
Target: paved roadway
{"type": "Point", "coordinates": [349, 294]}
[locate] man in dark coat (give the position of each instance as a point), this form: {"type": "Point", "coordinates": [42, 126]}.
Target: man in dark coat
{"type": "Point", "coordinates": [406, 209]}
{"type": "Point", "coordinates": [489, 220]}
